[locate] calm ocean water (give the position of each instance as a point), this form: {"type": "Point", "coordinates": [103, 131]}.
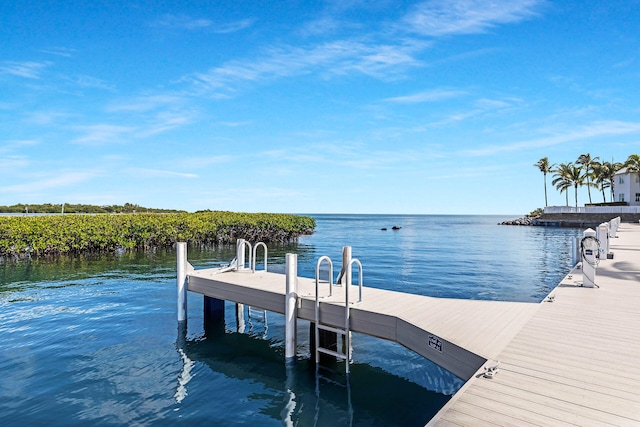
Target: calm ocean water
{"type": "Point", "coordinates": [94, 340]}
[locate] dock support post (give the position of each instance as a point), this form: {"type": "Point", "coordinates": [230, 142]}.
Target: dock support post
{"type": "Point", "coordinates": [291, 307]}
{"type": "Point", "coordinates": [213, 315]}
{"type": "Point", "coordinates": [348, 275]}
{"type": "Point", "coordinates": [240, 317]}
{"type": "Point", "coordinates": [240, 253]}
{"type": "Point", "coordinates": [181, 280]}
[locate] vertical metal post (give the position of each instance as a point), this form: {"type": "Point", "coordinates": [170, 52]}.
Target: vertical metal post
{"type": "Point", "coordinates": [181, 280]}
{"type": "Point", "coordinates": [346, 264]}
{"type": "Point", "coordinates": [291, 307]}
{"type": "Point", "coordinates": [240, 253]}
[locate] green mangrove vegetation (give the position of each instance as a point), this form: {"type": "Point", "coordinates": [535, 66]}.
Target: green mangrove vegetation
{"type": "Point", "coordinates": [73, 234]}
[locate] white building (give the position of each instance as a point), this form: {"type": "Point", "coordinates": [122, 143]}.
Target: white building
{"type": "Point", "coordinates": [627, 187]}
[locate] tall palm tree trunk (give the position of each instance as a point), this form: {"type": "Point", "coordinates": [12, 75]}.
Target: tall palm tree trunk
{"type": "Point", "coordinates": [546, 203]}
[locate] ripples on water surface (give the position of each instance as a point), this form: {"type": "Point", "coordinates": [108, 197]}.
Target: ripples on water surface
{"type": "Point", "coordinates": [94, 341]}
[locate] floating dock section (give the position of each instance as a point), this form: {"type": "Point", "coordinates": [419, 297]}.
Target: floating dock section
{"type": "Point", "coordinates": [569, 360]}
{"type": "Point", "coordinates": [457, 334]}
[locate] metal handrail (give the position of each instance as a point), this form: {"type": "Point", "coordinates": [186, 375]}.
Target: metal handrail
{"type": "Point", "coordinates": [241, 247]}
{"type": "Point", "coordinates": [360, 280]}
{"type": "Point", "coordinates": [255, 253]}
{"type": "Point", "coordinates": [324, 258]}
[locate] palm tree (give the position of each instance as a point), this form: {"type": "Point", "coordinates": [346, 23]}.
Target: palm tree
{"type": "Point", "coordinates": [613, 168]}
{"type": "Point", "coordinates": [544, 166]}
{"type": "Point", "coordinates": [601, 177]}
{"type": "Point", "coordinates": [587, 163]}
{"type": "Point", "coordinates": [633, 164]}
{"type": "Point", "coordinates": [561, 179]}
{"type": "Point", "coordinates": [577, 178]}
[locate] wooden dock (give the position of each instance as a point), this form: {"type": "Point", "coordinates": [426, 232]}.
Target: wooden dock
{"type": "Point", "coordinates": [569, 360]}
{"type": "Point", "coordinates": [459, 335]}
{"type": "Point", "coordinates": [575, 362]}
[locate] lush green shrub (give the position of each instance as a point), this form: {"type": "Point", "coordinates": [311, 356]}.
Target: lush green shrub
{"type": "Point", "coordinates": [536, 213]}
{"type": "Point", "coordinates": [43, 235]}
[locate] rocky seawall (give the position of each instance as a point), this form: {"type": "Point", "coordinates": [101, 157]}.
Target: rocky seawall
{"type": "Point", "coordinates": [577, 220]}
{"type": "Point", "coordinates": [520, 221]}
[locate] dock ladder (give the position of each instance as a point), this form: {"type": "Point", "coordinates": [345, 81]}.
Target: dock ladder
{"type": "Point", "coordinates": [345, 331]}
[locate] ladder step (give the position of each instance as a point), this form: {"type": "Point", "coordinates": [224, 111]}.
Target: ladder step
{"type": "Point", "coordinates": [341, 331]}
{"type": "Point", "coordinates": [332, 353]}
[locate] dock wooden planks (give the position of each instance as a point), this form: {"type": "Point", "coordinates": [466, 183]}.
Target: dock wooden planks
{"type": "Point", "coordinates": [575, 362]}
{"type": "Point", "coordinates": [459, 335]}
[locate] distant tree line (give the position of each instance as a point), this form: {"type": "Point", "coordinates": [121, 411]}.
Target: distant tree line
{"type": "Point", "coordinates": [49, 208]}
{"type": "Point", "coordinates": [586, 171]}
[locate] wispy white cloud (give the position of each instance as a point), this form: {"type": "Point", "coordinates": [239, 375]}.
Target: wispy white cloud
{"type": "Point", "coordinates": [12, 145]}
{"type": "Point", "coordinates": [594, 130]}
{"type": "Point", "coordinates": [203, 162]}
{"type": "Point", "coordinates": [9, 165]}
{"type": "Point", "coordinates": [342, 57]}
{"type": "Point", "coordinates": [183, 22]}
{"type": "Point", "coordinates": [235, 196]}
{"type": "Point", "coordinates": [26, 69]}
{"type": "Point", "coordinates": [155, 173]}
{"type": "Point", "coordinates": [321, 26]}
{"type": "Point", "coordinates": [102, 133]}
{"type": "Point", "coordinates": [60, 51]}
{"type": "Point", "coordinates": [427, 96]}
{"type": "Point", "coordinates": [449, 17]}
{"type": "Point", "coordinates": [232, 27]}
{"type": "Point", "coordinates": [90, 82]}
{"type": "Point", "coordinates": [479, 108]}
{"type": "Point", "coordinates": [42, 118]}
{"type": "Point", "coordinates": [493, 104]}
{"type": "Point", "coordinates": [235, 124]}
{"type": "Point", "coordinates": [623, 64]}
{"type": "Point", "coordinates": [347, 155]}
{"type": "Point", "coordinates": [146, 103]}
{"type": "Point", "coordinates": [186, 22]}
{"type": "Point", "coordinates": [384, 53]}
{"type": "Point", "coordinates": [62, 179]}
{"type": "Point", "coordinates": [163, 122]}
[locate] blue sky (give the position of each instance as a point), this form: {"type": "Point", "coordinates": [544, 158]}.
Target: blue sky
{"type": "Point", "coordinates": [422, 107]}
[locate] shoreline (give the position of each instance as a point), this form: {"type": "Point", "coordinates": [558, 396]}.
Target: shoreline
{"type": "Point", "coordinates": [571, 220]}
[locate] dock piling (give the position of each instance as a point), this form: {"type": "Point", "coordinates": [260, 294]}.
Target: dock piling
{"type": "Point", "coordinates": [291, 307]}
{"type": "Point", "coordinates": [181, 280]}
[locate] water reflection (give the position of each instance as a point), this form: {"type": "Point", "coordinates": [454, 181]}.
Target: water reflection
{"type": "Point", "coordinates": [187, 364]}
{"type": "Point", "coordinates": [368, 396]}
